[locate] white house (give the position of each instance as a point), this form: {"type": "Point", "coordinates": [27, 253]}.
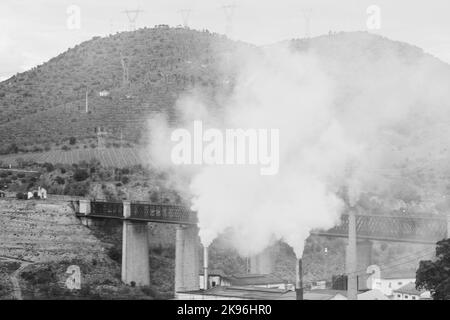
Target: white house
{"type": "Point", "coordinates": [388, 281]}
{"type": "Point", "coordinates": [409, 292]}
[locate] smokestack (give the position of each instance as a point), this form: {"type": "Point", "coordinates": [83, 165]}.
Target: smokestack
{"type": "Point", "coordinates": [299, 281]}
{"type": "Point", "coordinates": [205, 268]}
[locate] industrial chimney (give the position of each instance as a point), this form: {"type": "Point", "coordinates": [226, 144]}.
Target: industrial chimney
{"type": "Point", "coordinates": [299, 281]}
{"type": "Point", "coordinates": [205, 268]}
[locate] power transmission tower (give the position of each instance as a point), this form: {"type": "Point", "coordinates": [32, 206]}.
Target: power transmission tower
{"type": "Point", "coordinates": [307, 16]}
{"type": "Point", "coordinates": [229, 14]}
{"type": "Point", "coordinates": [185, 15]}
{"type": "Point", "coordinates": [132, 16]}
{"type": "Point", "coordinates": [125, 70]}
{"type": "Point", "coordinates": [87, 100]}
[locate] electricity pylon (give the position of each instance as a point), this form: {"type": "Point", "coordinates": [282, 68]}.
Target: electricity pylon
{"type": "Point", "coordinates": [229, 10]}
{"type": "Point", "coordinates": [132, 16]}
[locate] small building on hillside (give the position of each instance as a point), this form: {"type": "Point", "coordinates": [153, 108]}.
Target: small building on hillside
{"type": "Point", "coordinates": [409, 292]}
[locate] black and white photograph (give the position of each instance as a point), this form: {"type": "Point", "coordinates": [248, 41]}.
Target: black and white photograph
{"type": "Point", "coordinates": [224, 150]}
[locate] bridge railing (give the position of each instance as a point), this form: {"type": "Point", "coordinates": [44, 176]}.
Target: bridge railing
{"type": "Point", "coordinates": [107, 209]}
{"type": "Point", "coordinates": [419, 229]}
{"type": "Point", "coordinates": [162, 213]}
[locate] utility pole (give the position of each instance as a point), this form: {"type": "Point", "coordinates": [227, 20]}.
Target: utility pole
{"type": "Point", "coordinates": [185, 15]}
{"type": "Point", "coordinates": [125, 74]}
{"type": "Point", "coordinates": [229, 14]}
{"type": "Point", "coordinates": [132, 16]}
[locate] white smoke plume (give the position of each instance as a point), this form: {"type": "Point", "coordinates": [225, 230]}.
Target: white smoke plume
{"type": "Point", "coordinates": [327, 141]}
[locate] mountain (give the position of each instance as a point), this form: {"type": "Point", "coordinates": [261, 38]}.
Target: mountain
{"type": "Point", "coordinates": [44, 107]}
{"type": "Point", "coordinates": [47, 104]}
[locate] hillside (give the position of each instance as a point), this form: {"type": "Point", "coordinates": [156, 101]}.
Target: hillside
{"type": "Point", "coordinates": [111, 157]}
{"type": "Point", "coordinates": [45, 106]}
{"type": "Point", "coordinates": [47, 103]}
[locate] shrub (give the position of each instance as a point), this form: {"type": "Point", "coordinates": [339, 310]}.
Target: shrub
{"type": "Point", "coordinates": [115, 254]}
{"type": "Point", "coordinates": [60, 180]}
{"type": "Point", "coordinates": [125, 180]}
{"type": "Point", "coordinates": [49, 167]}
{"type": "Point", "coordinates": [21, 175]}
{"type": "Point", "coordinates": [154, 197]}
{"type": "Point", "coordinates": [80, 175]}
{"type": "Point", "coordinates": [42, 276]}
{"type": "Point", "coordinates": [65, 148]}
{"type": "Point", "coordinates": [72, 141]}
{"type": "Point", "coordinates": [79, 189]}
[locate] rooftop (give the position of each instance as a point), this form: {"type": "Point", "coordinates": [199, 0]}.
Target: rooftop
{"type": "Point", "coordinates": [410, 288]}
{"type": "Point", "coordinates": [248, 293]}
{"type": "Point", "coordinates": [254, 279]}
{"type": "Point", "coordinates": [255, 293]}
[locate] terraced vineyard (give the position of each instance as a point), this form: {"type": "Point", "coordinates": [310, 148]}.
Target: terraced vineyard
{"type": "Point", "coordinates": [109, 157]}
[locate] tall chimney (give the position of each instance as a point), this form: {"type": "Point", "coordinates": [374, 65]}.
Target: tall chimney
{"type": "Point", "coordinates": [205, 268]}
{"type": "Point", "coordinates": [299, 281]}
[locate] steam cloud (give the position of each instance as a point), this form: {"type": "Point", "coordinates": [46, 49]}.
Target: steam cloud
{"type": "Point", "coordinates": [336, 131]}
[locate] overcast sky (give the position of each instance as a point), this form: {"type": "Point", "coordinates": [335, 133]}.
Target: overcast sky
{"type": "Point", "coordinates": [33, 31]}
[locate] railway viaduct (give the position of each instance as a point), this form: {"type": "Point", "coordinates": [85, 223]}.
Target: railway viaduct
{"type": "Point", "coordinates": [360, 229]}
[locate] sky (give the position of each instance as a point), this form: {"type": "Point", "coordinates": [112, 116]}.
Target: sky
{"type": "Point", "coordinates": [34, 31]}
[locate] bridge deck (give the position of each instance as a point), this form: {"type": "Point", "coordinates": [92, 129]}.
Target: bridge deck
{"type": "Point", "coordinates": [144, 212]}
{"type": "Point", "coordinates": [416, 229]}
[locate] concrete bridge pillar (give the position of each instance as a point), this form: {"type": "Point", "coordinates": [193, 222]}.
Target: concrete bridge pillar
{"type": "Point", "coordinates": [85, 207]}
{"type": "Point", "coordinates": [262, 263]}
{"type": "Point", "coordinates": [187, 259]}
{"type": "Point", "coordinates": [135, 250]}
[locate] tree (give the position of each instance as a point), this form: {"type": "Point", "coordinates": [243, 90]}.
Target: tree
{"type": "Point", "coordinates": [80, 175]}
{"type": "Point", "coordinates": [435, 275]}
{"type": "Point", "coordinates": [72, 141]}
